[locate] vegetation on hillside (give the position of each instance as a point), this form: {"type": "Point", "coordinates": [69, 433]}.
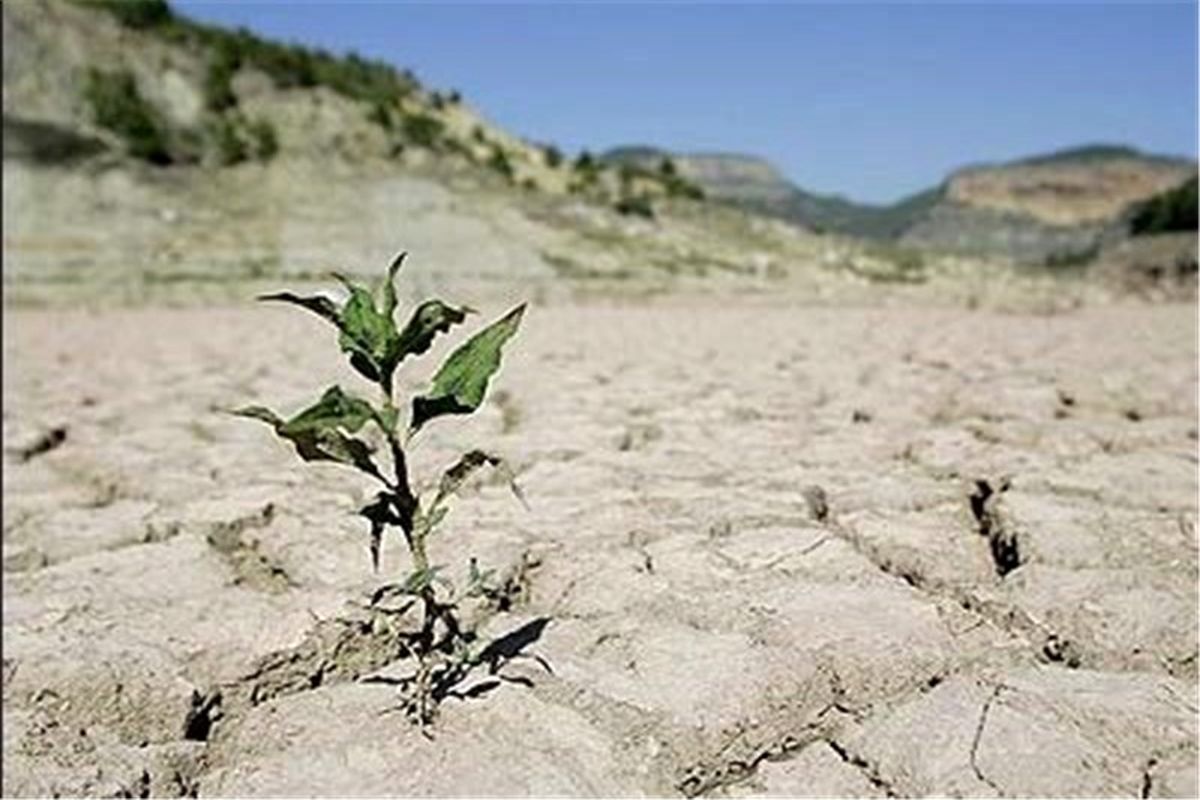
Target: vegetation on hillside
{"type": "Point", "coordinates": [1173, 210]}
{"type": "Point", "coordinates": [1090, 153]}
{"type": "Point", "coordinates": [118, 106]}
{"type": "Point", "coordinates": [288, 65]}
{"type": "Point", "coordinates": [829, 213]}
{"type": "Point", "coordinates": [406, 113]}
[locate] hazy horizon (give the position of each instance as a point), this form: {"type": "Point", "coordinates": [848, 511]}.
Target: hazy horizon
{"type": "Point", "coordinates": [870, 102]}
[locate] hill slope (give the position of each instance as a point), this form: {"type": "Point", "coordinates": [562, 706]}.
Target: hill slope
{"type": "Point", "coordinates": [147, 152]}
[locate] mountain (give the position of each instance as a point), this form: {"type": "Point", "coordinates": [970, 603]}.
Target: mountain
{"type": "Point", "coordinates": [753, 183]}
{"type": "Point", "coordinates": [1040, 209]}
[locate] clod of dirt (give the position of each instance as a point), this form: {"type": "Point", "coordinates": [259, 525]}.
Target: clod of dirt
{"type": "Point", "coordinates": [638, 436]}
{"type": "Point", "coordinates": [336, 651]}
{"type": "Point", "coordinates": [860, 416]}
{"type": "Point", "coordinates": [1066, 402]}
{"type": "Point", "coordinates": [513, 587]}
{"type": "Point", "coordinates": [43, 444]}
{"type": "Point", "coordinates": [205, 711]}
{"type": "Point", "coordinates": [251, 568]}
{"type": "Point", "coordinates": [995, 525]}
{"type": "Point", "coordinates": [817, 502]}
{"type": "Point", "coordinates": [1061, 651]}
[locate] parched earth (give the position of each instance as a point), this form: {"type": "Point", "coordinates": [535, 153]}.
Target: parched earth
{"type": "Point", "coordinates": [781, 550]}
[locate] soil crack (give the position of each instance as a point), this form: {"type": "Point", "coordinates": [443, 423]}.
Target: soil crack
{"type": "Point", "coordinates": [983, 715]}
{"type": "Point", "coordinates": [869, 770]}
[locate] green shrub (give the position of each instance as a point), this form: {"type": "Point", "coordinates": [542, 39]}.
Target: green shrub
{"type": "Point", "coordinates": [1172, 210]}
{"type": "Point", "coordinates": [585, 162]}
{"type": "Point", "coordinates": [422, 129]}
{"type": "Point", "coordinates": [136, 13]}
{"type": "Point", "coordinates": [678, 187]}
{"type": "Point", "coordinates": [498, 162]}
{"type": "Point", "coordinates": [446, 649]}
{"type": "Point", "coordinates": [117, 105]}
{"type": "Point", "coordinates": [1066, 259]}
{"type": "Point", "coordinates": [231, 148]}
{"type": "Point", "coordinates": [218, 79]}
{"type": "Point", "coordinates": [587, 173]}
{"type": "Point", "coordinates": [552, 156]}
{"type": "Point", "coordinates": [890, 263]}
{"type": "Point", "coordinates": [626, 174]}
{"type": "Point", "coordinates": [635, 205]}
{"type": "Point", "coordinates": [907, 260]}
{"type": "Point", "coordinates": [288, 65]}
{"type": "Point", "coordinates": [381, 115]}
{"type": "Point", "coordinates": [266, 141]}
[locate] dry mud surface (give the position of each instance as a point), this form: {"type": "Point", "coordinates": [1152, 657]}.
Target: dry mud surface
{"type": "Point", "coordinates": [781, 550]}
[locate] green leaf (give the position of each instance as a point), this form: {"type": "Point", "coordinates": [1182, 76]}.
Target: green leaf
{"type": "Point", "coordinates": [388, 295]}
{"type": "Point", "coordinates": [477, 580]}
{"type": "Point", "coordinates": [424, 523]}
{"type": "Point", "coordinates": [420, 580]}
{"type": "Point", "coordinates": [260, 413]}
{"type": "Point", "coordinates": [321, 306]}
{"type": "Point", "coordinates": [367, 335]}
{"type": "Point", "coordinates": [414, 585]}
{"type": "Point", "coordinates": [319, 432]}
{"type": "Point", "coordinates": [461, 383]}
{"type": "Point", "coordinates": [335, 409]}
{"type": "Point", "coordinates": [431, 318]}
{"type": "Point", "coordinates": [335, 446]}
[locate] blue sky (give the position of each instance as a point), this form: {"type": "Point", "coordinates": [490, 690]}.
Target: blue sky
{"type": "Point", "coordinates": [872, 101]}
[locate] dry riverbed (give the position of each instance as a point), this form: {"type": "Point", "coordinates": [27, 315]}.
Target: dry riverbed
{"type": "Point", "coordinates": [856, 551]}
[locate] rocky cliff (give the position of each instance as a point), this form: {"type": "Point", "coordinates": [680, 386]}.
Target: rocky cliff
{"type": "Point", "coordinates": [1047, 209]}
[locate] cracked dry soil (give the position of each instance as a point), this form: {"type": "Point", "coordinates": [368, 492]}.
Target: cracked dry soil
{"type": "Point", "coordinates": [857, 551]}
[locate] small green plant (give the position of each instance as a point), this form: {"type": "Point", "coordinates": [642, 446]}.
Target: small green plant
{"type": "Point", "coordinates": [117, 105]}
{"type": "Point", "coordinates": [445, 649]}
